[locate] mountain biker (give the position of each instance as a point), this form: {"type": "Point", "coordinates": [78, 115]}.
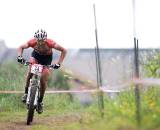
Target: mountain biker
{"type": "Point", "coordinates": [41, 54]}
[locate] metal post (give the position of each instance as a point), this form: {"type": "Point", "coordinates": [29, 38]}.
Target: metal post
{"type": "Point", "coordinates": [136, 68]}
{"type": "Point", "coordinates": [97, 74]}
{"type": "Point", "coordinates": [98, 67]}
{"type": "Point", "coordinates": [137, 91]}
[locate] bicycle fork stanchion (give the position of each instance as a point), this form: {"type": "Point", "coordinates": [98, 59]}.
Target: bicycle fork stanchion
{"type": "Point", "coordinates": [98, 69]}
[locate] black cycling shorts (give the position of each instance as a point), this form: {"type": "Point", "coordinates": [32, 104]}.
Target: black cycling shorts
{"type": "Point", "coordinates": [42, 59]}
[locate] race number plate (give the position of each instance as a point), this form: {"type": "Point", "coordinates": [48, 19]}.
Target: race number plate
{"type": "Point", "coordinates": [36, 69]}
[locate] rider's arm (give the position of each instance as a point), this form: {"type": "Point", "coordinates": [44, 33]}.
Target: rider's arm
{"type": "Point", "coordinates": [56, 46]}
{"type": "Point", "coordinates": [63, 52]}
{"type": "Point", "coordinates": [21, 48]}
{"type": "Point", "coordinates": [30, 43]}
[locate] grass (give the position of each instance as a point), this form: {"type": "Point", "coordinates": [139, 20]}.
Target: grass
{"type": "Point", "coordinates": [64, 114]}
{"type": "Point", "coordinates": [12, 76]}
{"type": "Point", "coordinates": [59, 112]}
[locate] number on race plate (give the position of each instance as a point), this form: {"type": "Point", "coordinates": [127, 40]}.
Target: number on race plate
{"type": "Point", "coordinates": [36, 69]}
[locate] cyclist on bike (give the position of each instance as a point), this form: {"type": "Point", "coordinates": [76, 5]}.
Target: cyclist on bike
{"type": "Point", "coordinates": [41, 54]}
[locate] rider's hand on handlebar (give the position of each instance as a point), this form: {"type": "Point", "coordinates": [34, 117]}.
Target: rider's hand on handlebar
{"type": "Point", "coordinates": [55, 66]}
{"type": "Point", "coordinates": [20, 59]}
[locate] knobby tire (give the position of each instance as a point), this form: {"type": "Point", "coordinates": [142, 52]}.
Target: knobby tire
{"type": "Point", "coordinates": [31, 105]}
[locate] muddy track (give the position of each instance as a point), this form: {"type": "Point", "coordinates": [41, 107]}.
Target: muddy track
{"type": "Point", "coordinates": [51, 122]}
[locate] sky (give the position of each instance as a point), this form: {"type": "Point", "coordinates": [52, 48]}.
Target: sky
{"type": "Point", "coordinates": [71, 23]}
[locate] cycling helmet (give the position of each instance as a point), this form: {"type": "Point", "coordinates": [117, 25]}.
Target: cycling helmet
{"type": "Point", "coordinates": [40, 34]}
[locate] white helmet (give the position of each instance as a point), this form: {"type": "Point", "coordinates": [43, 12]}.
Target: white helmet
{"type": "Point", "coordinates": [40, 34]}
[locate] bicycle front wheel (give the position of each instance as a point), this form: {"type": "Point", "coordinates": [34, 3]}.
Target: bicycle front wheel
{"type": "Point", "coordinates": [31, 106]}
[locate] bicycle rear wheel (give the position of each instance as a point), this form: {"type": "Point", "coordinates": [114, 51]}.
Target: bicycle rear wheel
{"type": "Point", "coordinates": [31, 107]}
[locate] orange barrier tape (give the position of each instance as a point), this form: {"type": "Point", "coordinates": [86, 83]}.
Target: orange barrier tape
{"type": "Point", "coordinates": [62, 91]}
{"type": "Point", "coordinates": [10, 92]}
{"type": "Point", "coordinates": [147, 81]}
{"type": "Point", "coordinates": [144, 81]}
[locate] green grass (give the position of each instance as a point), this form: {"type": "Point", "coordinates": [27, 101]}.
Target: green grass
{"type": "Point", "coordinates": [61, 113]}
{"type": "Point", "coordinates": [12, 76]}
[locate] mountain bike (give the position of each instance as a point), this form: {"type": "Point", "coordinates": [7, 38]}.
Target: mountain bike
{"type": "Point", "coordinates": [34, 89]}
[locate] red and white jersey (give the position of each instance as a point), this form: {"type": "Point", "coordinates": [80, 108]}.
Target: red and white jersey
{"type": "Point", "coordinates": [44, 49]}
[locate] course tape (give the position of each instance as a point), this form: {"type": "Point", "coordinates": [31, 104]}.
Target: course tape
{"type": "Point", "coordinates": [124, 87]}
{"type": "Point", "coordinates": [62, 91]}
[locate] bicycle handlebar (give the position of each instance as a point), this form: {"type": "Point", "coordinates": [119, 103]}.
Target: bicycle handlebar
{"type": "Point", "coordinates": [26, 63]}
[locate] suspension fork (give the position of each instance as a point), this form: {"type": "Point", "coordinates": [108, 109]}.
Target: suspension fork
{"type": "Point", "coordinates": [34, 82]}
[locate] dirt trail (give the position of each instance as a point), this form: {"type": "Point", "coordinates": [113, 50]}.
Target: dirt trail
{"type": "Point", "coordinates": [50, 122]}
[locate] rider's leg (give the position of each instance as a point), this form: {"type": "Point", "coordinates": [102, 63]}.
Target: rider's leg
{"type": "Point", "coordinates": [24, 97]}
{"type": "Point", "coordinates": [28, 77]}
{"type": "Point", "coordinates": [43, 81]}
